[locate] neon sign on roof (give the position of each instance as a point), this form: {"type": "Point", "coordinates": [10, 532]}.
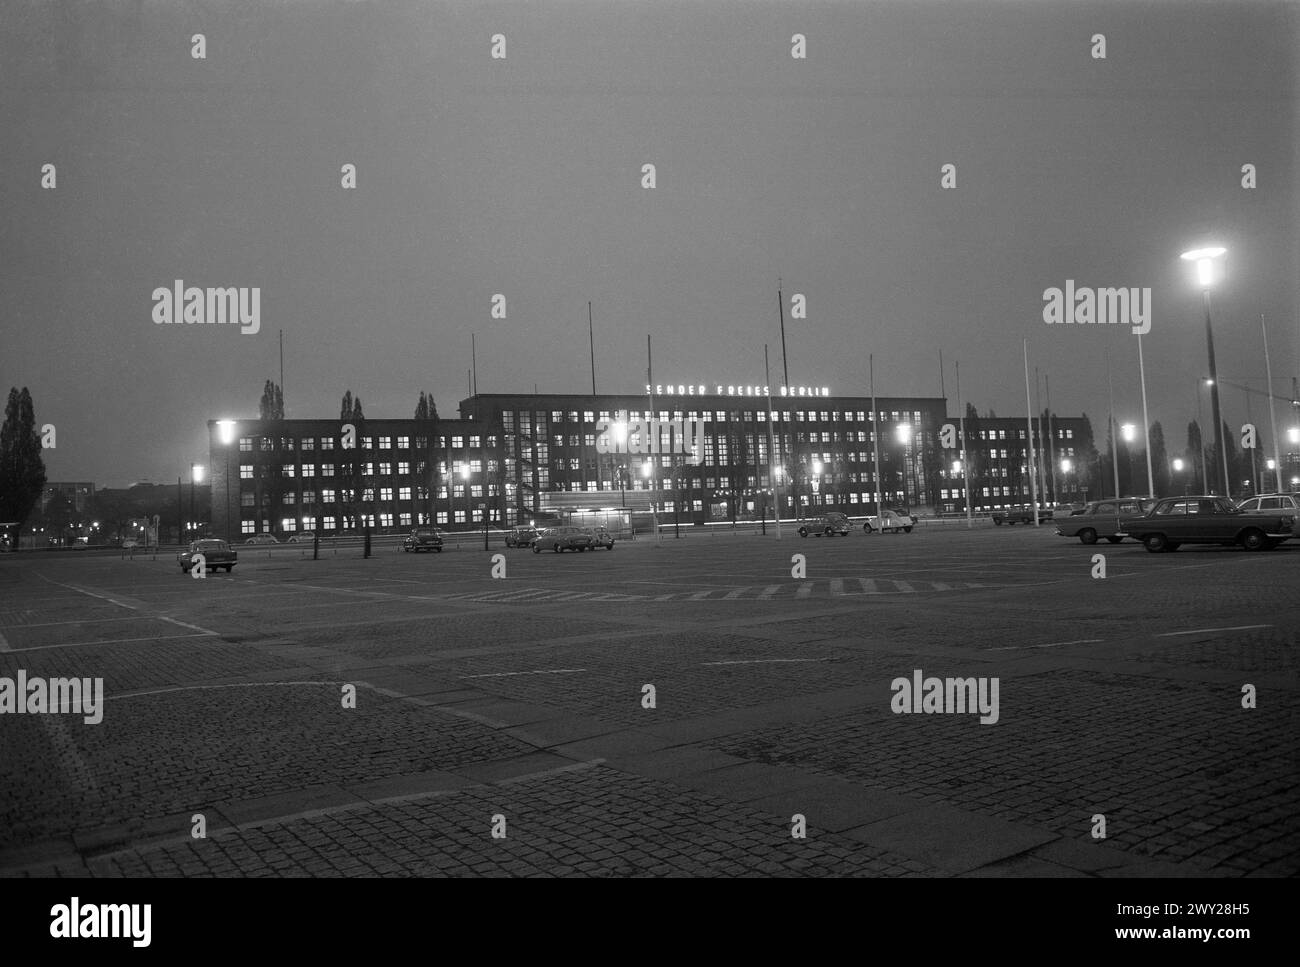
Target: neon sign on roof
{"type": "Point", "coordinates": [730, 389]}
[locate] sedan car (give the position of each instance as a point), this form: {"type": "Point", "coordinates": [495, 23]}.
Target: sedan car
{"type": "Point", "coordinates": [1175, 521]}
{"type": "Point", "coordinates": [423, 539]}
{"type": "Point", "coordinates": [600, 537]}
{"type": "Point", "coordinates": [1023, 514]}
{"type": "Point", "coordinates": [301, 536]}
{"type": "Point", "coordinates": [520, 536]}
{"type": "Point", "coordinates": [828, 525]}
{"type": "Point", "coordinates": [1101, 518]}
{"type": "Point", "coordinates": [263, 539]}
{"type": "Point", "coordinates": [562, 539]}
{"type": "Point", "coordinates": [1271, 504]}
{"type": "Point", "coordinates": [216, 554]}
{"type": "Point", "coordinates": [890, 521]}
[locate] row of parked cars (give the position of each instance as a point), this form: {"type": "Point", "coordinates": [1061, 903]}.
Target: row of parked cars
{"type": "Point", "coordinates": [1257, 523]}
{"type": "Point", "coordinates": [888, 521]}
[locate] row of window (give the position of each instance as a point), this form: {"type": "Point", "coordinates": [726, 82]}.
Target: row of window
{"type": "Point", "coordinates": [308, 444]}
{"type": "Point", "coordinates": [385, 469]}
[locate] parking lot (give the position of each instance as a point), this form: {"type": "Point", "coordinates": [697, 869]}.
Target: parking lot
{"type": "Point", "coordinates": [522, 706]}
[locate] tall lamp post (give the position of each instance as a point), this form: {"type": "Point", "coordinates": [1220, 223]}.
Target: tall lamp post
{"type": "Point", "coordinates": [1178, 469]}
{"type": "Point", "coordinates": [647, 470]}
{"type": "Point", "coordinates": [1204, 259]}
{"type": "Point", "coordinates": [226, 433]}
{"type": "Point", "coordinates": [1129, 432]}
{"type": "Point", "coordinates": [469, 512]}
{"type": "Point", "coordinates": [904, 433]}
{"type": "Point", "coordinates": [196, 474]}
{"type": "Point", "coordinates": [1066, 467]}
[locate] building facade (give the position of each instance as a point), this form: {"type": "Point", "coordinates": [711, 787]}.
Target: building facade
{"type": "Point", "coordinates": [697, 456]}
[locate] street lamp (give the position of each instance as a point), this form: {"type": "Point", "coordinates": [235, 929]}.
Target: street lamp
{"type": "Point", "coordinates": [464, 476]}
{"type": "Point", "coordinates": [196, 474]}
{"type": "Point", "coordinates": [1066, 467]}
{"type": "Point", "coordinates": [1129, 433]}
{"type": "Point", "coordinates": [1204, 259]}
{"type": "Point", "coordinates": [1178, 469]}
{"type": "Point", "coordinates": [904, 433]}
{"type": "Point", "coordinates": [647, 470]}
{"type": "Point", "coordinates": [226, 433]}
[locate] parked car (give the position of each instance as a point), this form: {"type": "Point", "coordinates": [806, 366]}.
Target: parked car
{"type": "Point", "coordinates": [1022, 514]}
{"type": "Point", "coordinates": [301, 536]}
{"type": "Point", "coordinates": [130, 544]}
{"type": "Point", "coordinates": [520, 536]}
{"type": "Point", "coordinates": [890, 521]}
{"type": "Point", "coordinates": [263, 539]}
{"type": "Point", "coordinates": [216, 554]}
{"type": "Point", "coordinates": [562, 539]}
{"type": "Point", "coordinates": [423, 539]}
{"type": "Point", "coordinates": [828, 524]}
{"type": "Point", "coordinates": [1101, 518]}
{"type": "Point", "coordinates": [1175, 521]}
{"type": "Point", "coordinates": [1271, 504]}
{"type": "Point", "coordinates": [600, 537]}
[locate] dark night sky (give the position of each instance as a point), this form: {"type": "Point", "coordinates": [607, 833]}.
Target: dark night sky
{"type": "Point", "coordinates": [479, 176]}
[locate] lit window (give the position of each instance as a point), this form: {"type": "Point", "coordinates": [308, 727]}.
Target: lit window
{"type": "Point", "coordinates": [245, 443]}
{"type": "Point", "coordinates": [245, 471]}
{"type": "Point", "coordinates": [309, 469]}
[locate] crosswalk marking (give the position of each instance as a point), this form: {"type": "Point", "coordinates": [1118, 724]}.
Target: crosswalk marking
{"type": "Point", "coordinates": [768, 591]}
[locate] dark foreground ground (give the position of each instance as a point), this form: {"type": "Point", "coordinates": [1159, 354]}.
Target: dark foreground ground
{"type": "Point", "coordinates": [518, 703]}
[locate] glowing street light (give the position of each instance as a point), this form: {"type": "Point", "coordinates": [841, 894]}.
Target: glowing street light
{"type": "Point", "coordinates": [226, 434]}
{"type": "Point", "coordinates": [1066, 466]}
{"type": "Point", "coordinates": [1204, 259]}
{"type": "Point", "coordinates": [904, 433]}
{"type": "Point", "coordinates": [196, 475]}
{"type": "Point", "coordinates": [956, 466]}
{"type": "Point", "coordinates": [1205, 277]}
{"type": "Point", "coordinates": [1129, 433]}
{"type": "Point", "coordinates": [1178, 465]}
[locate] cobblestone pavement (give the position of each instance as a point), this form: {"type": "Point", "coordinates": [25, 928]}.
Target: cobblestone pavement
{"type": "Point", "coordinates": [680, 708]}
